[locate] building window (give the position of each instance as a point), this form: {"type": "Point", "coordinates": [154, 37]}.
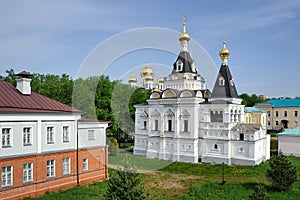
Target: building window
{"type": "Point", "coordinates": [27, 172]}
{"type": "Point", "coordinates": [285, 113]}
{"type": "Point", "coordinates": [6, 137]}
{"type": "Point", "coordinates": [216, 116]}
{"type": "Point", "coordinates": [185, 125]}
{"type": "Point", "coordinates": [215, 146]}
{"type": "Point", "coordinates": [296, 113]}
{"type": "Point", "coordinates": [50, 135]}
{"type": "Point", "coordinates": [145, 125]}
{"type": "Point", "coordinates": [269, 113]}
{"type": "Point", "coordinates": [91, 135]}
{"type": "Point", "coordinates": [221, 81]}
{"type": "Point", "coordinates": [85, 164]}
{"type": "Point", "coordinates": [169, 125]}
{"type": "Point", "coordinates": [269, 123]}
{"type": "Point", "coordinates": [26, 136]}
{"type": "Point", "coordinates": [242, 136]}
{"type": "Point", "coordinates": [66, 166]}
{"type": "Point", "coordinates": [66, 134]}
{"type": "Point", "coordinates": [241, 149]}
{"type": "Point", "coordinates": [276, 122]}
{"type": "Point", "coordinates": [276, 113]}
{"type": "Point", "coordinates": [6, 176]}
{"type": "Point", "coordinates": [156, 125]}
{"type": "Point", "coordinates": [296, 123]}
{"type": "Point", "coordinates": [50, 168]}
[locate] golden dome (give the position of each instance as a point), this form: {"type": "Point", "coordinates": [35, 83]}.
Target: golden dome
{"type": "Point", "coordinates": [160, 80]}
{"type": "Point", "coordinates": [224, 53]}
{"type": "Point", "coordinates": [184, 37]}
{"type": "Point", "coordinates": [147, 71]}
{"type": "Point", "coordinates": [156, 89]}
{"type": "Point", "coordinates": [132, 79]}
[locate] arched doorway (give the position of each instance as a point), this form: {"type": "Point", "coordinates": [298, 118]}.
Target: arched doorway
{"type": "Point", "coordinates": [284, 123]}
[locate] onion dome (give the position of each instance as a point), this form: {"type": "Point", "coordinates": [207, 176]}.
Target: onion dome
{"type": "Point", "coordinates": [184, 37]}
{"type": "Point", "coordinates": [147, 71]}
{"type": "Point", "coordinates": [224, 53]}
{"type": "Point", "coordinates": [156, 89]}
{"type": "Point", "coordinates": [132, 79]}
{"type": "Point", "coordinates": [160, 80]}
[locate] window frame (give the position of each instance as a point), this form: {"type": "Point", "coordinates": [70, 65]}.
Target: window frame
{"type": "Point", "coordinates": [296, 113]}
{"type": "Point", "coordinates": [170, 125]}
{"type": "Point", "coordinates": [8, 176]}
{"type": "Point", "coordinates": [242, 137]}
{"type": "Point", "coordinates": [50, 140]}
{"type": "Point", "coordinates": [27, 136]}
{"type": "Point", "coordinates": [66, 166]}
{"type": "Point", "coordinates": [185, 125]}
{"type": "Point", "coordinates": [50, 169]}
{"type": "Point", "coordinates": [29, 173]}
{"type": "Point", "coordinates": [91, 135]}
{"type": "Point", "coordinates": [66, 134]}
{"type": "Point", "coordinates": [85, 164]}
{"type": "Point", "coordinates": [7, 136]}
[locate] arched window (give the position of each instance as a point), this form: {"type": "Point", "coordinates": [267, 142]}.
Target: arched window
{"type": "Point", "coordinates": [221, 81]}
{"type": "Point", "coordinates": [216, 146]}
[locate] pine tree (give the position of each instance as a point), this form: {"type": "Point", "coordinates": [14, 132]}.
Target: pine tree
{"type": "Point", "coordinates": [126, 184]}
{"type": "Point", "coordinates": [259, 193]}
{"type": "Point", "coordinates": [282, 173]}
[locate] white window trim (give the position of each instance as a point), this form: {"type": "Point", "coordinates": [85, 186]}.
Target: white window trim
{"type": "Point", "coordinates": [68, 167]}
{"type": "Point", "coordinates": [68, 134]}
{"type": "Point", "coordinates": [49, 167]}
{"type": "Point", "coordinates": [10, 139]}
{"type": "Point", "coordinates": [91, 135]}
{"type": "Point", "coordinates": [6, 174]}
{"type": "Point", "coordinates": [30, 135]}
{"type": "Point", "coordinates": [85, 164]}
{"type": "Point", "coordinates": [53, 136]}
{"type": "Point", "coordinates": [31, 173]}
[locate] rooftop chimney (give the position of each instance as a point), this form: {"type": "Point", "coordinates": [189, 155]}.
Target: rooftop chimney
{"type": "Point", "coordinates": [23, 83]}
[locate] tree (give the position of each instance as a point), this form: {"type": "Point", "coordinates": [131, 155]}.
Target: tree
{"type": "Point", "coordinates": [282, 173]}
{"type": "Point", "coordinates": [126, 184]}
{"type": "Point", "coordinates": [259, 193]}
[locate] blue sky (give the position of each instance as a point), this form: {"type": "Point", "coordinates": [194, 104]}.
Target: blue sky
{"type": "Point", "coordinates": [57, 37]}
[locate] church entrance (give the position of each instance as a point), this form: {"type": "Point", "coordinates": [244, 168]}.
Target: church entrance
{"type": "Point", "coordinates": [284, 123]}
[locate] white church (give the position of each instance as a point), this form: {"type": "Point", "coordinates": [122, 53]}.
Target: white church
{"type": "Point", "coordinates": [183, 121]}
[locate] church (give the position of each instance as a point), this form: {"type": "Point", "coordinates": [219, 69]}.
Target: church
{"type": "Point", "coordinates": [184, 121]}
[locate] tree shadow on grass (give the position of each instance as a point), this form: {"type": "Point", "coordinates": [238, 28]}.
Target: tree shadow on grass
{"type": "Point", "coordinates": [251, 186]}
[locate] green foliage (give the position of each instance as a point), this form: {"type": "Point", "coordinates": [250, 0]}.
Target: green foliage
{"type": "Point", "coordinates": [250, 101]}
{"type": "Point", "coordinates": [282, 172]}
{"type": "Point", "coordinates": [113, 147]}
{"type": "Point", "coordinates": [139, 96]}
{"type": "Point", "coordinates": [260, 193]}
{"type": "Point", "coordinates": [126, 184]}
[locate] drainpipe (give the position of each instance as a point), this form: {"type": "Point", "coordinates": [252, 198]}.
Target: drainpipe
{"type": "Point", "coordinates": [77, 157]}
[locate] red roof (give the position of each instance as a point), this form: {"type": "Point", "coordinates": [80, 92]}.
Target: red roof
{"type": "Point", "coordinates": [11, 100]}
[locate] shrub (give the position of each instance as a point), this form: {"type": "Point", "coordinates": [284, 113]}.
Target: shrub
{"type": "Point", "coordinates": [113, 148]}
{"type": "Point", "coordinates": [282, 173]}
{"type": "Point", "coordinates": [259, 193]}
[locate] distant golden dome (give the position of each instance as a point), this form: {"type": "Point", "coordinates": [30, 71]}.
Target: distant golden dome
{"type": "Point", "coordinates": [160, 80]}
{"type": "Point", "coordinates": [147, 71]}
{"type": "Point", "coordinates": [132, 79]}
{"type": "Point", "coordinates": [224, 53]}
{"type": "Point", "coordinates": [156, 90]}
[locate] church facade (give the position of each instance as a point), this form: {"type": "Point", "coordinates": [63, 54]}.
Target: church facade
{"type": "Point", "coordinates": [183, 121]}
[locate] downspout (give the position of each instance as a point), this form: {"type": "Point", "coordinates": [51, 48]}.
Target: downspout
{"type": "Point", "coordinates": [77, 157]}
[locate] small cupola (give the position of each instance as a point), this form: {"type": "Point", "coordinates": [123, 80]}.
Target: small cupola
{"type": "Point", "coordinates": [23, 82]}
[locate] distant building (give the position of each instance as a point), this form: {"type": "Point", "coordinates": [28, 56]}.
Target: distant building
{"type": "Point", "coordinates": [281, 112]}
{"type": "Point", "coordinates": [255, 116]}
{"type": "Point", "coordinates": [132, 81]}
{"type": "Point", "coordinates": [46, 145]}
{"type": "Point", "coordinates": [183, 121]}
{"type": "Point", "coordinates": [288, 141]}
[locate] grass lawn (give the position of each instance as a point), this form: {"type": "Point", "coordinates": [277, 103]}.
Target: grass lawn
{"type": "Point", "coordinates": [190, 181]}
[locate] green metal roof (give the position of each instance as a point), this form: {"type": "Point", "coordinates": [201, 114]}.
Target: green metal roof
{"type": "Point", "coordinates": [282, 102]}
{"type": "Point", "coordinates": [253, 110]}
{"type": "Point", "coordinates": [290, 132]}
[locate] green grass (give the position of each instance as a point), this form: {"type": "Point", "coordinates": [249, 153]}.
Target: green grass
{"type": "Point", "coordinates": [205, 184]}
{"type": "Point", "coordinates": [138, 161]}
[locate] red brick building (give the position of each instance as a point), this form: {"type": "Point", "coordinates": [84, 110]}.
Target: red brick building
{"type": "Point", "coordinates": [45, 145]}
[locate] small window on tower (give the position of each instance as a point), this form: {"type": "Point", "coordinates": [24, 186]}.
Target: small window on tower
{"type": "Point", "coordinates": [221, 81]}
{"type": "Point", "coordinates": [179, 65]}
